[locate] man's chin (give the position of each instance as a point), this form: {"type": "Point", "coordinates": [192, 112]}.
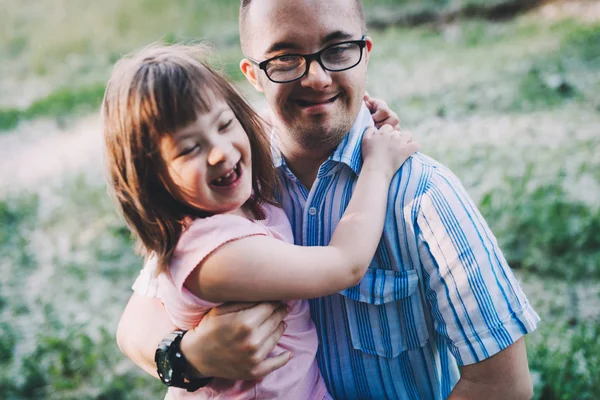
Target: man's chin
{"type": "Point", "coordinates": [318, 136]}
{"type": "Point", "coordinates": [325, 121]}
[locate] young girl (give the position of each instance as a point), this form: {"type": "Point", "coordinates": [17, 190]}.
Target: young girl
{"type": "Point", "coordinates": [190, 166]}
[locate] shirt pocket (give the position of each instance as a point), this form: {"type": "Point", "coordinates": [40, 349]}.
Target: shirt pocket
{"type": "Point", "coordinates": [385, 313]}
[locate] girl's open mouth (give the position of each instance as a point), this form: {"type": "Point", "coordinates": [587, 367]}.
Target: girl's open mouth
{"type": "Point", "coordinates": [230, 179]}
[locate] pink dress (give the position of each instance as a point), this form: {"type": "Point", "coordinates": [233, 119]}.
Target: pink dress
{"type": "Point", "coordinates": [300, 378]}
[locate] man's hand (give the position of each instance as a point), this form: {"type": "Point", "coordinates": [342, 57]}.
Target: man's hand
{"type": "Point", "coordinates": [233, 341]}
{"type": "Point", "coordinates": [505, 375]}
{"type": "Point", "coordinates": [381, 113]}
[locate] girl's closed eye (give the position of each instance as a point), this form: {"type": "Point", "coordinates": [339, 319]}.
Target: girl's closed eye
{"type": "Point", "coordinates": [188, 150]}
{"type": "Point", "coordinates": [228, 123]}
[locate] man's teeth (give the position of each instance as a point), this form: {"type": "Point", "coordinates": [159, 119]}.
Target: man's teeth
{"type": "Point", "coordinates": [313, 103]}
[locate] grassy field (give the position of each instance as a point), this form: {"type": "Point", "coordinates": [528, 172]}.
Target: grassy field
{"type": "Point", "coordinates": [511, 106]}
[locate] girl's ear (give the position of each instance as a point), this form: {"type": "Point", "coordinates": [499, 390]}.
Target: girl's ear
{"type": "Point", "coordinates": [249, 71]}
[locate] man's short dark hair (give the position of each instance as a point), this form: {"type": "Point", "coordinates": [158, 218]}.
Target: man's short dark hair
{"type": "Point", "coordinates": [245, 6]}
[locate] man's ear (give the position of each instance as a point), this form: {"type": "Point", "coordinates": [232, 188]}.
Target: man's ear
{"type": "Point", "coordinates": [369, 46]}
{"type": "Point", "coordinates": [250, 73]}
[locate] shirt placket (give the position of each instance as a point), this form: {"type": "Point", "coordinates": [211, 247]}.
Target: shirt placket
{"type": "Point", "coordinates": [313, 217]}
{"type": "Point", "coordinates": [310, 217]}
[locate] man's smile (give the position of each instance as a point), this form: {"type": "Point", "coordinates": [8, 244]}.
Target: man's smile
{"type": "Point", "coordinates": [316, 104]}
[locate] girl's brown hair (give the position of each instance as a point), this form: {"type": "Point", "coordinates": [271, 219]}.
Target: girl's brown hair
{"type": "Point", "coordinates": [155, 93]}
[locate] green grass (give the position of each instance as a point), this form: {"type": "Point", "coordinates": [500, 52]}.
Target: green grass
{"type": "Point", "coordinates": [520, 67]}
{"type": "Point", "coordinates": [581, 43]}
{"type": "Point", "coordinates": [67, 363]}
{"type": "Point", "coordinates": [408, 6]}
{"type": "Point", "coordinates": [66, 101]}
{"type": "Point", "coordinates": [9, 118]}
{"type": "Point", "coordinates": [487, 99]}
{"type": "Point", "coordinates": [71, 353]}
{"type": "Point", "coordinates": [73, 101]}
{"type": "Point", "coordinates": [542, 230]}
{"type": "Point", "coordinates": [73, 47]}
{"type": "Point", "coordinates": [58, 104]}
{"type": "Point", "coordinates": [18, 217]}
{"type": "Point", "coordinates": [569, 367]}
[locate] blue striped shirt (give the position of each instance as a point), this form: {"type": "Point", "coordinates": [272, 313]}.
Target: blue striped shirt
{"type": "Point", "coordinates": [438, 293]}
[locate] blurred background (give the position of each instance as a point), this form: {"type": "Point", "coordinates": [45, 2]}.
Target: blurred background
{"type": "Point", "coordinates": [504, 92]}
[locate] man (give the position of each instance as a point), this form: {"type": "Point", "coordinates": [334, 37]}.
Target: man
{"type": "Point", "coordinates": [439, 313]}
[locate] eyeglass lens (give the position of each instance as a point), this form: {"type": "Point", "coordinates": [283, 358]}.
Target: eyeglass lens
{"type": "Point", "coordinates": [335, 58]}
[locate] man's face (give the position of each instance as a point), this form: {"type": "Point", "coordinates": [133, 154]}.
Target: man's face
{"type": "Point", "coordinates": [317, 110]}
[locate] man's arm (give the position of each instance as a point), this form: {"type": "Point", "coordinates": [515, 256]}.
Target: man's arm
{"type": "Point", "coordinates": [504, 375]}
{"type": "Point", "coordinates": [231, 342]}
{"type": "Point", "coordinates": [477, 304]}
{"type": "Point", "coordinates": [142, 326]}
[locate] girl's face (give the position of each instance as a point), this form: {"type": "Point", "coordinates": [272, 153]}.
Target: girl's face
{"type": "Point", "coordinates": [210, 161]}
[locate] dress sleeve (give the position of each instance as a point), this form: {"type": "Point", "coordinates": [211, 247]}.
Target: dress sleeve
{"type": "Point", "coordinates": [203, 237]}
{"type": "Point", "coordinates": [197, 242]}
{"type": "Point", "coordinates": [477, 303]}
{"type": "Point", "coordinates": [146, 283]}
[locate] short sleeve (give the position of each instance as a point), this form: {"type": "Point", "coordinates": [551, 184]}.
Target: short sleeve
{"type": "Point", "coordinates": [478, 304]}
{"type": "Point", "coordinates": [197, 242]}
{"type": "Point", "coordinates": [146, 283]}
{"type": "Point", "coordinates": [203, 237]}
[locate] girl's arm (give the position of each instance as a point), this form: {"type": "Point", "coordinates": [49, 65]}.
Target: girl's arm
{"type": "Point", "coordinates": [260, 268]}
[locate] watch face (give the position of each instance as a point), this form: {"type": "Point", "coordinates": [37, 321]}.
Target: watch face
{"type": "Point", "coordinates": [164, 366]}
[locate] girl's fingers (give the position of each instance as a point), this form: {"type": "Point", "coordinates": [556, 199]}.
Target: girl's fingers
{"type": "Point", "coordinates": [369, 133]}
{"type": "Point", "coordinates": [385, 117]}
{"type": "Point", "coordinates": [413, 147]}
{"type": "Point", "coordinates": [386, 129]}
{"type": "Point", "coordinates": [407, 136]}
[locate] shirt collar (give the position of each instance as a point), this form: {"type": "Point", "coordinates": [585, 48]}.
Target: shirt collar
{"type": "Point", "coordinates": [347, 152]}
{"type": "Point", "coordinates": [278, 160]}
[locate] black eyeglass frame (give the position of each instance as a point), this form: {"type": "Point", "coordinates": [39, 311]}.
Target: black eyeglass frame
{"type": "Point", "coordinates": [309, 58]}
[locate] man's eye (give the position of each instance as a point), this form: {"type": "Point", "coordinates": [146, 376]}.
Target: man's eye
{"type": "Point", "coordinates": [288, 59]}
{"type": "Point", "coordinates": [336, 50]}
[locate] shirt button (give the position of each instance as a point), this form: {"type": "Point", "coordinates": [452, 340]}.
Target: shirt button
{"type": "Point", "coordinates": [312, 211]}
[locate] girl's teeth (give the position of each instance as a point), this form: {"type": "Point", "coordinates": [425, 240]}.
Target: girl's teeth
{"type": "Point", "coordinates": [221, 179]}
{"type": "Point", "coordinates": [225, 179]}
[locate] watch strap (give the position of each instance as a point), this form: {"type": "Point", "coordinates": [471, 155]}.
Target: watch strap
{"type": "Point", "coordinates": [169, 350]}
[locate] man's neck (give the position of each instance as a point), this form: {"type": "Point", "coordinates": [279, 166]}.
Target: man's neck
{"type": "Point", "coordinates": [304, 163]}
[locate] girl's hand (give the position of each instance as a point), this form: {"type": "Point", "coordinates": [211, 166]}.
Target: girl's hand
{"type": "Point", "coordinates": [386, 149]}
{"type": "Point", "coordinates": [381, 112]}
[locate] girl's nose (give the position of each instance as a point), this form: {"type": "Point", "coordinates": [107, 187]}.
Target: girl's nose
{"type": "Point", "coordinates": [220, 152]}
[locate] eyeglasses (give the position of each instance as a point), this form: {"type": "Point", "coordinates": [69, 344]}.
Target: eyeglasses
{"type": "Point", "coordinates": [290, 67]}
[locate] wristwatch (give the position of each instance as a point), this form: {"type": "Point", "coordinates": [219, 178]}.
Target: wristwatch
{"type": "Point", "coordinates": [172, 366]}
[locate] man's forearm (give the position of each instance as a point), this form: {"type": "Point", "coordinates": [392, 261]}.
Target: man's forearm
{"type": "Point", "coordinates": [233, 341]}
{"type": "Point", "coordinates": [467, 390]}
{"type": "Point", "coordinates": [143, 325]}
{"type": "Point", "coordinates": [505, 375]}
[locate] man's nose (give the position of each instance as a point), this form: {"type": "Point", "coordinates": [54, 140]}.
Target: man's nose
{"type": "Point", "coordinates": [316, 77]}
